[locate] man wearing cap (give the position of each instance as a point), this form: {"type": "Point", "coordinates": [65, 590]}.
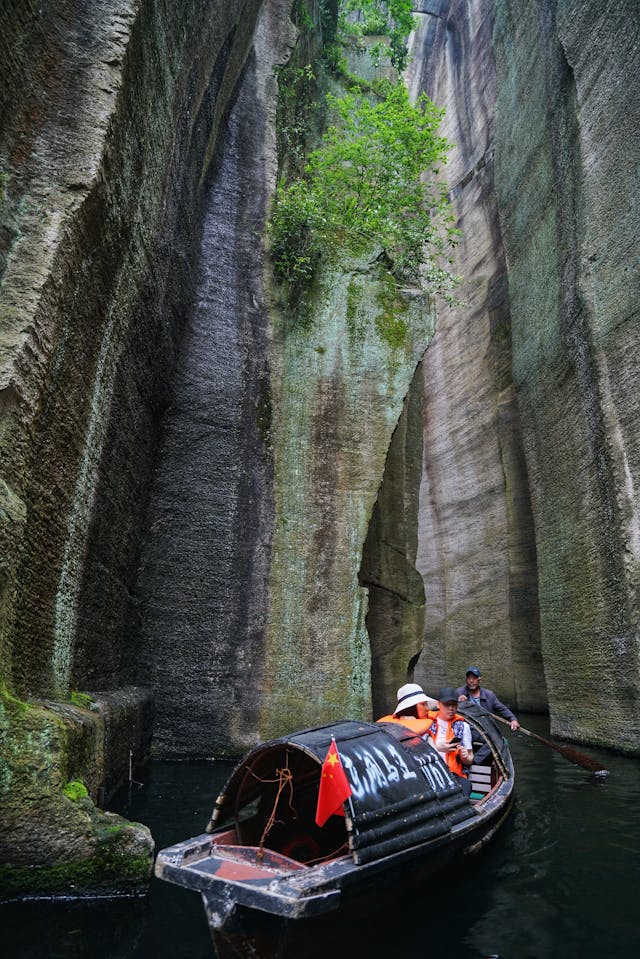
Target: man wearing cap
{"type": "Point", "coordinates": [412, 709]}
{"type": "Point", "coordinates": [450, 735]}
{"type": "Point", "coordinates": [476, 694]}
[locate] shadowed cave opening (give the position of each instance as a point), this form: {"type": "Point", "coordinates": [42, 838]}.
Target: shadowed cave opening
{"type": "Point", "coordinates": [399, 627]}
{"type": "Point", "coordinates": [395, 618]}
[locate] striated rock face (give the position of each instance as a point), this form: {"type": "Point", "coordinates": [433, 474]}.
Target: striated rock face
{"type": "Point", "coordinates": [567, 159]}
{"type": "Point", "coordinates": [201, 597]}
{"type": "Point", "coordinates": [111, 113]}
{"type": "Point", "coordinates": [396, 601]}
{"type": "Point", "coordinates": [476, 548]}
{"type": "Point", "coordinates": [529, 389]}
{"type": "Point", "coordinates": [92, 297]}
{"type": "Point", "coordinates": [339, 387]}
{"type": "Point", "coordinates": [249, 617]}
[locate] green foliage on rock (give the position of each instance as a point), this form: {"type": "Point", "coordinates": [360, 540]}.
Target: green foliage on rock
{"type": "Point", "coordinates": [391, 321]}
{"type": "Point", "coordinates": [75, 790]}
{"type": "Point", "coordinates": [81, 700]}
{"type": "Point", "coordinates": [103, 873]}
{"type": "Point", "coordinates": [371, 182]}
{"type": "Point", "coordinates": [10, 702]}
{"type": "Point", "coordinates": [296, 116]}
{"type": "Point", "coordinates": [46, 763]}
{"type": "Point", "coordinates": [390, 18]}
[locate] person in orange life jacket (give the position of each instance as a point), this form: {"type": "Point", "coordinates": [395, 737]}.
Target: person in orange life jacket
{"type": "Point", "coordinates": [450, 735]}
{"type": "Point", "coordinates": [412, 709]}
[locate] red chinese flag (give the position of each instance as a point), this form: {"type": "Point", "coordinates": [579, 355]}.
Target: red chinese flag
{"type": "Point", "coordinates": [334, 786]}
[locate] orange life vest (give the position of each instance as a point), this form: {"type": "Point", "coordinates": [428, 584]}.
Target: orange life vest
{"type": "Point", "coordinates": [418, 726]}
{"type": "Point", "coordinates": [452, 758]}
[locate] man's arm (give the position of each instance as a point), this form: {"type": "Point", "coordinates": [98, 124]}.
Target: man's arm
{"type": "Point", "coordinates": [495, 706]}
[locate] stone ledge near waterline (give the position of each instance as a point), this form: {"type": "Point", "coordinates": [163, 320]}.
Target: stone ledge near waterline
{"type": "Point", "coordinates": [54, 757]}
{"type": "Point", "coordinates": [122, 721]}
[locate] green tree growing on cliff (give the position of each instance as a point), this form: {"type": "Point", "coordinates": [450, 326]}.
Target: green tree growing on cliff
{"type": "Point", "coordinates": [371, 182]}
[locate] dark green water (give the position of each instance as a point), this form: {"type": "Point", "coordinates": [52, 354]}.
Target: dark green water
{"type": "Point", "coordinates": [560, 880]}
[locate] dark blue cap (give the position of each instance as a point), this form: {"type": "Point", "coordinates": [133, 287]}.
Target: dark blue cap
{"type": "Point", "coordinates": [474, 670]}
{"type": "Point", "coordinates": [448, 695]}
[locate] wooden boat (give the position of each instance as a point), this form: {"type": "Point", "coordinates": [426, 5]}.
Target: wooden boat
{"type": "Point", "coordinates": [264, 864]}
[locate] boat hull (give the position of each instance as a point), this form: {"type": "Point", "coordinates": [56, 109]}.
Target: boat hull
{"type": "Point", "coordinates": [239, 930]}
{"type": "Point", "coordinates": [406, 820]}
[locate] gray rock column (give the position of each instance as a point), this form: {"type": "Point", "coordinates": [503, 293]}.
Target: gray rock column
{"type": "Point", "coordinates": [476, 547]}
{"type": "Point", "coordinates": [567, 160]}
{"type": "Point", "coordinates": [201, 595]}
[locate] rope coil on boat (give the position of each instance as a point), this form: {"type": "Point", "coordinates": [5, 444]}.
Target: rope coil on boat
{"type": "Point", "coordinates": [285, 778]}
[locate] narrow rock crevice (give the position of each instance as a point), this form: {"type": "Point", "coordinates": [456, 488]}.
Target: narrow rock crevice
{"type": "Point", "coordinates": [396, 599]}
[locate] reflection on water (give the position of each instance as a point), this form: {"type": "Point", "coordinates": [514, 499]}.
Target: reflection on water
{"type": "Point", "coordinates": [560, 880]}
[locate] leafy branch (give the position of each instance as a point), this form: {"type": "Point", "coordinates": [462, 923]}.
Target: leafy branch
{"type": "Point", "coordinates": [371, 182]}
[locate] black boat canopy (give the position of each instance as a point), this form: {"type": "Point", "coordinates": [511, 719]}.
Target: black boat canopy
{"type": "Point", "coordinates": [402, 794]}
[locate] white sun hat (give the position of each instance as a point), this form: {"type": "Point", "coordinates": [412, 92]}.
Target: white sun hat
{"type": "Point", "coordinates": [410, 695]}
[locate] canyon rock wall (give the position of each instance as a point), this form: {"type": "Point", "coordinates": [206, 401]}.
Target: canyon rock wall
{"type": "Point", "coordinates": [249, 619]}
{"type": "Point", "coordinates": [396, 601]}
{"type": "Point", "coordinates": [476, 548]}
{"type": "Point", "coordinates": [530, 387]}
{"type": "Point", "coordinates": [101, 221]}
{"type": "Point", "coordinates": [567, 161]}
{"type": "Point", "coordinates": [339, 387]}
{"type": "Point", "coordinates": [202, 595]}
{"type": "Point", "coordinates": [111, 113]}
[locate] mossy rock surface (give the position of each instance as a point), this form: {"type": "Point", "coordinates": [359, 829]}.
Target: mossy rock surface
{"type": "Point", "coordinates": [54, 841]}
{"type": "Point", "coordinates": [340, 381]}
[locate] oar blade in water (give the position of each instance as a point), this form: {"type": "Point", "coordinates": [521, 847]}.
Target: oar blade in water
{"type": "Point", "coordinates": [573, 755]}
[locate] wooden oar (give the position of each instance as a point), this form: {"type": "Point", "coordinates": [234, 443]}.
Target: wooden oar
{"type": "Point", "coordinates": [573, 755]}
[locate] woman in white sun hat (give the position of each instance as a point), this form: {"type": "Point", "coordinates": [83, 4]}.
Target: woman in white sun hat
{"type": "Point", "coordinates": [412, 709]}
